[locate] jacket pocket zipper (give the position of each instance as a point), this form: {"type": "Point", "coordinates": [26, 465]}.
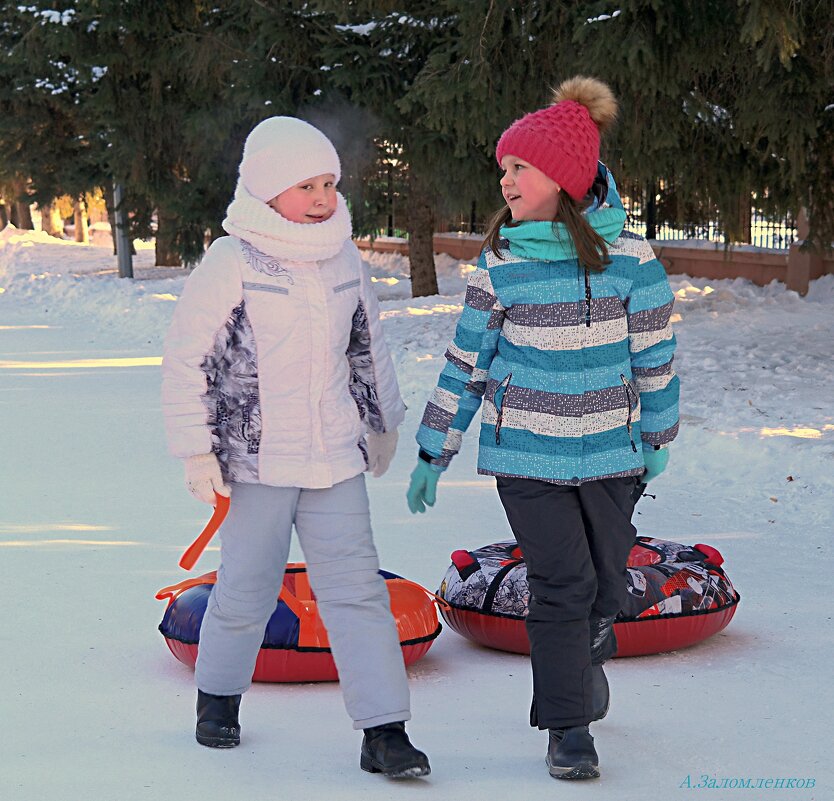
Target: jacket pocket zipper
{"type": "Point", "coordinates": [501, 410]}
{"type": "Point", "coordinates": [346, 285]}
{"type": "Point", "coordinates": [628, 392]}
{"type": "Point", "coordinates": [251, 285]}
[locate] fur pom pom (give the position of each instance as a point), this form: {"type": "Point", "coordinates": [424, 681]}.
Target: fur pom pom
{"type": "Point", "coordinates": [595, 95]}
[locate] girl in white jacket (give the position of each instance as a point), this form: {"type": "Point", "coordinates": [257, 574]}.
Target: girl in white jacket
{"type": "Point", "coordinates": [278, 389]}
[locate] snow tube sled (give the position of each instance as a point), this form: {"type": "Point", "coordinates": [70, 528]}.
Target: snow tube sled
{"type": "Point", "coordinates": [677, 596]}
{"type": "Point", "coordinates": [295, 646]}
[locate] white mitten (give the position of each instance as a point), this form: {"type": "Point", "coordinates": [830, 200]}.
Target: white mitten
{"type": "Point", "coordinates": [381, 450]}
{"type": "Point", "coordinates": [203, 478]}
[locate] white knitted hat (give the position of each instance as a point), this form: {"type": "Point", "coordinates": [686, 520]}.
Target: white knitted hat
{"type": "Point", "coordinates": [282, 151]}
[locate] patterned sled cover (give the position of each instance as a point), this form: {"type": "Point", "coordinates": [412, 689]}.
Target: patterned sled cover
{"type": "Point", "coordinates": [668, 583]}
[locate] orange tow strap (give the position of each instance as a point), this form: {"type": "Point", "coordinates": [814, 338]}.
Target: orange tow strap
{"type": "Point", "coordinates": [193, 552]}
{"type": "Point", "coordinates": [174, 591]}
{"type": "Point", "coordinates": [311, 631]}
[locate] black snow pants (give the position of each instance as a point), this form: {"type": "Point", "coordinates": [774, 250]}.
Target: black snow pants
{"type": "Point", "coordinates": [575, 541]}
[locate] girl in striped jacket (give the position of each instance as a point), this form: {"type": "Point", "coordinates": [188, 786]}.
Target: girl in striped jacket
{"type": "Point", "coordinates": [565, 335]}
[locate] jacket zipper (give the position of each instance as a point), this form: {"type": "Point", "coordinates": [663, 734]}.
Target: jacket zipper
{"type": "Point", "coordinates": [501, 410]}
{"type": "Point", "coordinates": [628, 390]}
{"type": "Point", "coordinates": [587, 297]}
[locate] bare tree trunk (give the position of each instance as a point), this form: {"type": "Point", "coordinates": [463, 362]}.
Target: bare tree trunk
{"type": "Point", "coordinates": [651, 210]}
{"type": "Point", "coordinates": [79, 210]}
{"type": "Point", "coordinates": [166, 229]}
{"type": "Point", "coordinates": [744, 234]}
{"type": "Point", "coordinates": [110, 205]}
{"type": "Point", "coordinates": [51, 221]}
{"type": "Point", "coordinates": [19, 213]}
{"type": "Point", "coordinates": [22, 216]}
{"type": "Point", "coordinates": [738, 219]}
{"type": "Point", "coordinates": [420, 227]}
{"type": "Point", "coordinates": [4, 214]}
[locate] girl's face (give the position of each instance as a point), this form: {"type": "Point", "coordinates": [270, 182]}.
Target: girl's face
{"type": "Point", "coordinates": [310, 201]}
{"type": "Point", "coordinates": [529, 193]}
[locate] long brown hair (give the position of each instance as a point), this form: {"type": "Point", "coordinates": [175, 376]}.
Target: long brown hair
{"type": "Point", "coordinates": [591, 249]}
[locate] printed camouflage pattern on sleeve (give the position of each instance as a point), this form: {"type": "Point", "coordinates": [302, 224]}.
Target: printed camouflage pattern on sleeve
{"type": "Point", "coordinates": [232, 398]}
{"type": "Point", "coordinates": [362, 379]}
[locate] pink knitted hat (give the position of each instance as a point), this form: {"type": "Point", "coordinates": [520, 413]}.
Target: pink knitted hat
{"type": "Point", "coordinates": [562, 140]}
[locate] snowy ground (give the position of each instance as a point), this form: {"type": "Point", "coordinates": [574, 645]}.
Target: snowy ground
{"type": "Point", "coordinates": [94, 516]}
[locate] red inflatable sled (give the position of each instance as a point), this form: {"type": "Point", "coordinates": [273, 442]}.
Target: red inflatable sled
{"type": "Point", "coordinates": [677, 596]}
{"type": "Point", "coordinates": [295, 645]}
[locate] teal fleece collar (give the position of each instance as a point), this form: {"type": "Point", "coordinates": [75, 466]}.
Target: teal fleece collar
{"type": "Point", "coordinates": [534, 239]}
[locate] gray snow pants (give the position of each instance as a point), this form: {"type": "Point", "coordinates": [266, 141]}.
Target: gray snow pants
{"type": "Point", "coordinates": [334, 530]}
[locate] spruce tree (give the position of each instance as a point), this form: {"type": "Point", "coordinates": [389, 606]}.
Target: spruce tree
{"type": "Point", "coordinates": [376, 57]}
{"type": "Point", "coordinates": [720, 100]}
{"type": "Point", "coordinates": [499, 61]}
{"type": "Point", "coordinates": [183, 85]}
{"type": "Point", "coordinates": [155, 114]}
{"type": "Point", "coordinates": [47, 145]}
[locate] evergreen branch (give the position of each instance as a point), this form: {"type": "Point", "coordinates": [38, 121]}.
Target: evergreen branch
{"type": "Point", "coordinates": [481, 46]}
{"type": "Point", "coordinates": [213, 38]}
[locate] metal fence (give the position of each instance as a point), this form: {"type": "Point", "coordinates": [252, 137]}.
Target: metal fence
{"type": "Point", "coordinates": [761, 229]}
{"type": "Point", "coordinates": [764, 230]}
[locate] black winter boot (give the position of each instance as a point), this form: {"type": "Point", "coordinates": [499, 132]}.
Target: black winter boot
{"type": "Point", "coordinates": [600, 694]}
{"type": "Point", "coordinates": [571, 754]}
{"type": "Point", "coordinates": [387, 750]}
{"type": "Point", "coordinates": [217, 720]}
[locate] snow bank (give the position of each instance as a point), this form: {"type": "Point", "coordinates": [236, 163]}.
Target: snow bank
{"type": "Point", "coordinates": [94, 517]}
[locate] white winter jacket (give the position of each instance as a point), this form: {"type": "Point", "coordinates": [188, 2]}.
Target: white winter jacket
{"type": "Point", "coordinates": [278, 366]}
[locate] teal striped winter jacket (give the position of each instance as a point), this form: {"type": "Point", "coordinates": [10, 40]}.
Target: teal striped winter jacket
{"type": "Point", "coordinates": [574, 366]}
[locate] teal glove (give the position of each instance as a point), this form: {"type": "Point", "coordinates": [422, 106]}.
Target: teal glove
{"type": "Point", "coordinates": [655, 462]}
{"type": "Point", "coordinates": [422, 490]}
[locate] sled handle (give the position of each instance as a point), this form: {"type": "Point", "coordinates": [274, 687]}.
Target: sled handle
{"type": "Point", "coordinates": [195, 550]}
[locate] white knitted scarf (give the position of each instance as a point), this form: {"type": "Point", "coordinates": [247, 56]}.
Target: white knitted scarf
{"type": "Point", "coordinates": [252, 220]}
